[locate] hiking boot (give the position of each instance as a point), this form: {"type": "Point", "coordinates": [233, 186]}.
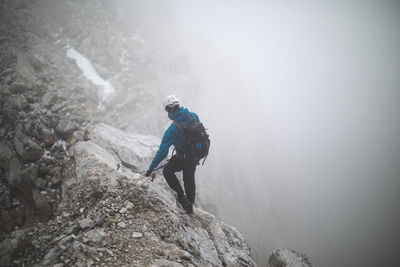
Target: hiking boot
{"type": "Point", "coordinates": [188, 207]}
{"type": "Point", "coordinates": [186, 204]}
{"type": "Point", "coordinates": [182, 199]}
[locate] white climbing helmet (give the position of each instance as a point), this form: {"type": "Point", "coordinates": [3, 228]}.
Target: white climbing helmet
{"type": "Point", "coordinates": [171, 101]}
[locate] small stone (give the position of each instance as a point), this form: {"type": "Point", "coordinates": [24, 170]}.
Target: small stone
{"type": "Point", "coordinates": [122, 225]}
{"type": "Point", "coordinates": [40, 183]}
{"type": "Point", "coordinates": [129, 205]}
{"type": "Point", "coordinates": [123, 210]}
{"type": "Point", "coordinates": [48, 135]}
{"type": "Point", "coordinates": [40, 203]}
{"type": "Point", "coordinates": [49, 256]}
{"type": "Point", "coordinates": [136, 235]}
{"type": "Point", "coordinates": [65, 128]}
{"type": "Point", "coordinates": [85, 223]}
{"type": "Point", "coordinates": [96, 235]}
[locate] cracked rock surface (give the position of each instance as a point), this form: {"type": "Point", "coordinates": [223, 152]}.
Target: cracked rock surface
{"type": "Point", "coordinates": [148, 229]}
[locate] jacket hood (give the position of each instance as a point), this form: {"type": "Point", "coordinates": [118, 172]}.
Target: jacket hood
{"type": "Point", "coordinates": [179, 115]}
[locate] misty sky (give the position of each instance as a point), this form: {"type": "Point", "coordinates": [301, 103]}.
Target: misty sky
{"type": "Point", "coordinates": [303, 102]}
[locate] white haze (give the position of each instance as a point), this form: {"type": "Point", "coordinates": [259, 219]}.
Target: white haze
{"type": "Point", "coordinates": [302, 101]}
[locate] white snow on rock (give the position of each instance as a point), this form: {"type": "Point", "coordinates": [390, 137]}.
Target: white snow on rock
{"type": "Point", "coordinates": [91, 74]}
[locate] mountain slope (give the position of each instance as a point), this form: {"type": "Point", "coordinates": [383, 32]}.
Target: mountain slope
{"type": "Point", "coordinates": [149, 229]}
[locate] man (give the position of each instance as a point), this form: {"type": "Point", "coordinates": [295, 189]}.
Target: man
{"type": "Point", "coordinates": [175, 135]}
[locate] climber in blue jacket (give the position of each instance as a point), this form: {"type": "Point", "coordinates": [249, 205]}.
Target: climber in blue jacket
{"type": "Point", "coordinates": [175, 135]}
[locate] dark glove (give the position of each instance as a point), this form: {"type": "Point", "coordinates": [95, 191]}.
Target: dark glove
{"type": "Point", "coordinates": [148, 173]}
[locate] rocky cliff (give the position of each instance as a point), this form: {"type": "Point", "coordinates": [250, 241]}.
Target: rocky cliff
{"type": "Point", "coordinates": [148, 229]}
{"type": "Point", "coordinates": [66, 67]}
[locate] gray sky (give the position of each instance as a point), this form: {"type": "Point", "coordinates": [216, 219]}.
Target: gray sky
{"type": "Point", "coordinates": [302, 101]}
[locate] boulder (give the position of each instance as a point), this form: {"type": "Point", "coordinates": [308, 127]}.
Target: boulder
{"type": "Point", "coordinates": [40, 203]}
{"type": "Point", "coordinates": [65, 128]}
{"type": "Point", "coordinates": [13, 178]}
{"type": "Point", "coordinates": [26, 147]}
{"type": "Point", "coordinates": [85, 223]}
{"type": "Point", "coordinates": [133, 150]}
{"type": "Point", "coordinates": [285, 258]}
{"type": "Point", "coordinates": [8, 246]}
{"type": "Point", "coordinates": [40, 183]}
{"type": "Point", "coordinates": [48, 135]}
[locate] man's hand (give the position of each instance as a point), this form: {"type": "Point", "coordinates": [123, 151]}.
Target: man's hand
{"type": "Point", "coordinates": [148, 173]}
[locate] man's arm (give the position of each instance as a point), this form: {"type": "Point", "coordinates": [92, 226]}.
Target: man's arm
{"type": "Point", "coordinates": [167, 140]}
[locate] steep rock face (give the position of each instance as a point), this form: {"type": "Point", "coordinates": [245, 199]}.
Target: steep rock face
{"type": "Point", "coordinates": [43, 105]}
{"type": "Point", "coordinates": [148, 229]}
{"type": "Point", "coordinates": [46, 98]}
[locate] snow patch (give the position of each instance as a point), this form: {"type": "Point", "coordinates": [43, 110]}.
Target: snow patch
{"type": "Point", "coordinates": [91, 74]}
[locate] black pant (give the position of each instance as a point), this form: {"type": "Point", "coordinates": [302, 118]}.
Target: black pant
{"type": "Point", "coordinates": [189, 167]}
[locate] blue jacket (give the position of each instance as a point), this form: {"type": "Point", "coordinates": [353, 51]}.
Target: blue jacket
{"type": "Point", "coordinates": [174, 136]}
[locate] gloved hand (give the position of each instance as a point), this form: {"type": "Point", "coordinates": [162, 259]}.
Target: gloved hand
{"type": "Point", "coordinates": [148, 173]}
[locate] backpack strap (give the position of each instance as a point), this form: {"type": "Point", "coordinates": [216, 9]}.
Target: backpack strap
{"type": "Point", "coordinates": [180, 126]}
{"type": "Point", "coordinates": [191, 117]}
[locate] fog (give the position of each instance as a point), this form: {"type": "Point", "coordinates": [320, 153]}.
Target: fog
{"type": "Point", "coordinates": [302, 102]}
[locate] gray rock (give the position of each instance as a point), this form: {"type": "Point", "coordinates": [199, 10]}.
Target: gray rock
{"type": "Point", "coordinates": [96, 235]}
{"type": "Point", "coordinates": [49, 99]}
{"type": "Point", "coordinates": [41, 204]}
{"type": "Point", "coordinates": [65, 128]}
{"type": "Point", "coordinates": [285, 258]}
{"type": "Point", "coordinates": [7, 72]}
{"type": "Point", "coordinates": [48, 135]}
{"type": "Point", "coordinates": [122, 225]}
{"type": "Point", "coordinates": [28, 175]}
{"type": "Point", "coordinates": [129, 205]}
{"type": "Point", "coordinates": [178, 254]}
{"type": "Point", "coordinates": [5, 152]}
{"type": "Point", "coordinates": [7, 246]}
{"type": "Point", "coordinates": [137, 235]}
{"type": "Point", "coordinates": [3, 131]}
{"type": "Point", "coordinates": [18, 88]}
{"type": "Point", "coordinates": [26, 147]}
{"type": "Point", "coordinates": [17, 103]}
{"type": "Point", "coordinates": [14, 178]}
{"type": "Point", "coordinates": [40, 183]}
{"type": "Point", "coordinates": [85, 223]}
{"type": "Point", "coordinates": [49, 256]}
{"type": "Point", "coordinates": [135, 149]}
{"type": "Point", "coordinates": [165, 263]}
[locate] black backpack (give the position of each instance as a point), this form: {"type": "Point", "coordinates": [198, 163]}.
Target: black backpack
{"type": "Point", "coordinates": [197, 140]}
